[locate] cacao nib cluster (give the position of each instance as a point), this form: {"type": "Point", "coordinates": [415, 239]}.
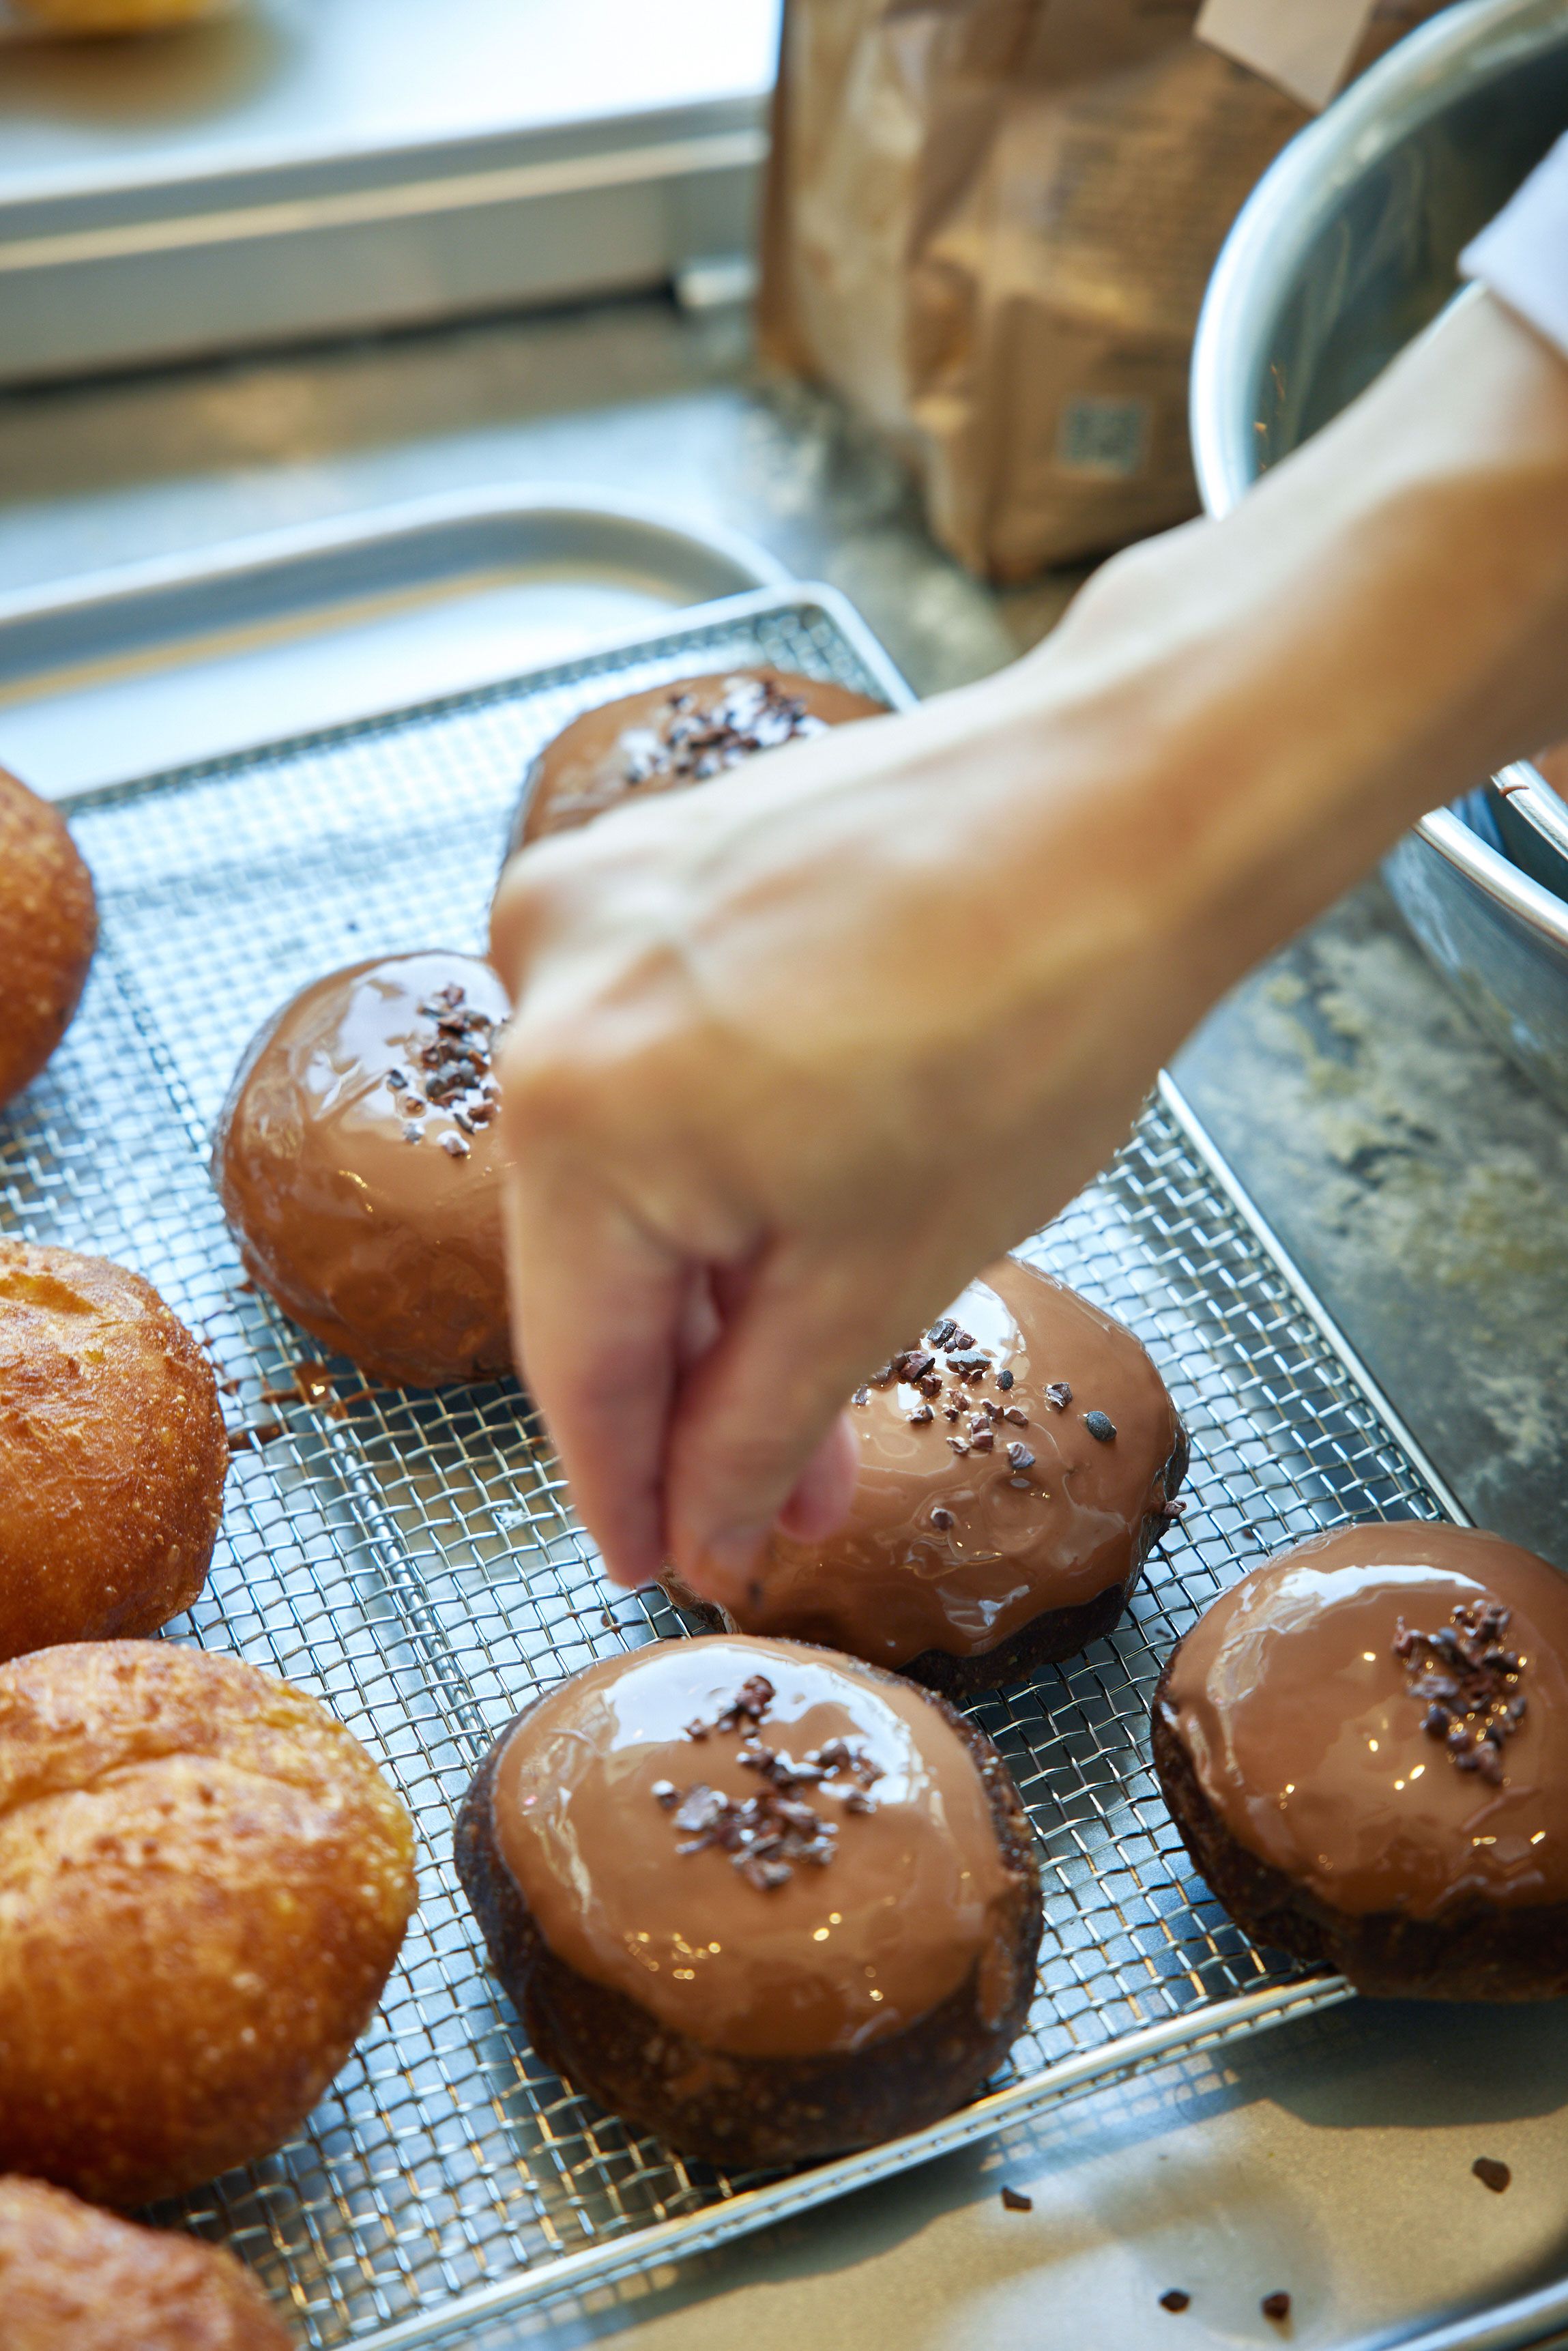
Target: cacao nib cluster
{"type": "Point", "coordinates": [949, 1371]}
{"type": "Point", "coordinates": [767, 1836]}
{"type": "Point", "coordinates": [1468, 1682]}
{"type": "Point", "coordinates": [455, 1071]}
{"type": "Point", "coordinates": [752, 714]}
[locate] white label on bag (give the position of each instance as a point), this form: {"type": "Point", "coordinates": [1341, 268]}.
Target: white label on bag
{"type": "Point", "coordinates": [1305, 47]}
{"type": "Point", "coordinates": [1105, 438]}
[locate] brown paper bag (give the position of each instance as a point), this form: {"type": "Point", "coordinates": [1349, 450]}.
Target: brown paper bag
{"type": "Point", "coordinates": [988, 226]}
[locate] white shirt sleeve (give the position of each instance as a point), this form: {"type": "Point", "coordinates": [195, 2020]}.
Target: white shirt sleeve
{"type": "Point", "coordinates": [1523, 256]}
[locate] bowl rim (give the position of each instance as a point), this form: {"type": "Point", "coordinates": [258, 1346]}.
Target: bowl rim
{"type": "Point", "coordinates": [1457, 51]}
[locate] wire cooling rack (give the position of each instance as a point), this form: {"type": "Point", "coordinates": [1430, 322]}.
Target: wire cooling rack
{"type": "Point", "coordinates": [412, 1558]}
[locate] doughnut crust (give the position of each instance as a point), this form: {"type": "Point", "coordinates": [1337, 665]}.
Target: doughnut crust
{"type": "Point", "coordinates": [112, 1453]}
{"type": "Point", "coordinates": [743, 2110]}
{"type": "Point", "coordinates": [75, 2279]}
{"type": "Point", "coordinates": [48, 928]}
{"type": "Point", "coordinates": [204, 1883]}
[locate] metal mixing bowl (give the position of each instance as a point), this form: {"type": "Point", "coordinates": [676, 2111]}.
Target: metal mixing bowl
{"type": "Point", "coordinates": [1346, 250]}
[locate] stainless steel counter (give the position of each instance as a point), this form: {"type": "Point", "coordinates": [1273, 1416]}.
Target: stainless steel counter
{"type": "Point", "coordinates": [1420, 1183]}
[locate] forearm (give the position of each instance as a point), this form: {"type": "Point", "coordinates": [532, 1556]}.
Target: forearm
{"type": "Point", "coordinates": [1381, 624]}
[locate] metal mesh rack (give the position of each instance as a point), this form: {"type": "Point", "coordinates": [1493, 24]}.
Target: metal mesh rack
{"type": "Point", "coordinates": [412, 1558]}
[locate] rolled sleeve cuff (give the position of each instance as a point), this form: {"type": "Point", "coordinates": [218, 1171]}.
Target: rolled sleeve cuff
{"type": "Point", "coordinates": [1522, 255]}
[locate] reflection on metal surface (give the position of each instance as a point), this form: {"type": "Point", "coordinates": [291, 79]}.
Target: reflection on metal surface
{"type": "Point", "coordinates": [412, 1558]}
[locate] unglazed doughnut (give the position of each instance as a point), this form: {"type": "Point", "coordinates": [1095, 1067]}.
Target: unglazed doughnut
{"type": "Point", "coordinates": [48, 928]}
{"type": "Point", "coordinates": [1364, 1745]}
{"type": "Point", "coordinates": [75, 2279]}
{"type": "Point", "coordinates": [108, 18]}
{"type": "Point", "coordinates": [203, 1883]}
{"type": "Point", "coordinates": [112, 1453]}
{"type": "Point", "coordinates": [1017, 1465]}
{"type": "Point", "coordinates": [763, 1900]}
{"type": "Point", "coordinates": [668, 736]}
{"type": "Point", "coordinates": [358, 1159]}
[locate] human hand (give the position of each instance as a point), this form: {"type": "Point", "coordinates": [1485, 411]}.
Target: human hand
{"type": "Point", "coordinates": [795, 1054]}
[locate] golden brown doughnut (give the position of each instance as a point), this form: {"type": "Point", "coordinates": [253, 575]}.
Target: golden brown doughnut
{"type": "Point", "coordinates": [112, 1453]}
{"type": "Point", "coordinates": [109, 18]}
{"type": "Point", "coordinates": [204, 1883]}
{"type": "Point", "coordinates": [74, 2279]}
{"type": "Point", "coordinates": [48, 928]}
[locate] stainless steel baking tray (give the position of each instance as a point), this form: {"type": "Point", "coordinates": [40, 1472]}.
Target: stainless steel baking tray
{"type": "Point", "coordinates": [317, 167]}
{"type": "Point", "coordinates": [412, 1558]}
{"type": "Point", "coordinates": [154, 665]}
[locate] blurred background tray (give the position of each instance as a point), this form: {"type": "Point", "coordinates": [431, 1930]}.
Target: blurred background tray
{"type": "Point", "coordinates": [315, 167]}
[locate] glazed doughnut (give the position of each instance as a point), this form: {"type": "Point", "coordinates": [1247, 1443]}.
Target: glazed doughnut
{"type": "Point", "coordinates": [112, 1453]}
{"type": "Point", "coordinates": [1364, 1745]}
{"type": "Point", "coordinates": [358, 1159]}
{"type": "Point", "coordinates": [48, 928]}
{"type": "Point", "coordinates": [204, 1882]}
{"type": "Point", "coordinates": [1016, 1465]}
{"type": "Point", "coordinates": [75, 2279]}
{"type": "Point", "coordinates": [760, 1900]}
{"type": "Point", "coordinates": [669, 736]}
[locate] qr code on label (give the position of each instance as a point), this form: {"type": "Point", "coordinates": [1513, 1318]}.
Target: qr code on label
{"type": "Point", "coordinates": [1108, 437]}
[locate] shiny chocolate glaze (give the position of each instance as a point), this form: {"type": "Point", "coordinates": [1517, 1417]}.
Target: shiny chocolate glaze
{"type": "Point", "coordinates": [955, 1551]}
{"type": "Point", "coordinates": [593, 1803]}
{"type": "Point", "coordinates": [1304, 1727]}
{"type": "Point", "coordinates": [371, 1210]}
{"type": "Point", "coordinates": [671, 736]}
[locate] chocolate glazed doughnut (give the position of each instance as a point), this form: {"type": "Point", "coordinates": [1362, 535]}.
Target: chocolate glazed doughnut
{"type": "Point", "coordinates": [1018, 1465]}
{"type": "Point", "coordinates": [671, 736]}
{"type": "Point", "coordinates": [1364, 1746]}
{"type": "Point", "coordinates": [358, 1163]}
{"type": "Point", "coordinates": [760, 1899]}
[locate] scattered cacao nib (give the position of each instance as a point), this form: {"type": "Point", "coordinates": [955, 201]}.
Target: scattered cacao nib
{"type": "Point", "coordinates": [1175, 2299]}
{"type": "Point", "coordinates": [767, 1835]}
{"type": "Point", "coordinates": [959, 1444]}
{"type": "Point", "coordinates": [412, 1132]}
{"type": "Point", "coordinates": [962, 1339]}
{"type": "Point", "coordinates": [1468, 1684]}
{"type": "Point", "coordinates": [1015, 2200]}
{"type": "Point", "coordinates": [981, 1439]}
{"type": "Point", "coordinates": [1101, 1427]}
{"type": "Point", "coordinates": [941, 1520]}
{"type": "Point", "coordinates": [455, 1146]}
{"type": "Point", "coordinates": [949, 1410]}
{"type": "Point", "coordinates": [1003, 1378]}
{"type": "Point", "coordinates": [1059, 1395]}
{"type": "Point", "coordinates": [931, 1386]}
{"type": "Point", "coordinates": [1016, 1414]}
{"type": "Point", "coordinates": [921, 1416]}
{"type": "Point", "coordinates": [1173, 1508]}
{"type": "Point", "coordinates": [1491, 2173]}
{"type": "Point", "coordinates": [1275, 2306]}
{"type": "Point", "coordinates": [969, 1363]}
{"type": "Point", "coordinates": [881, 1377]}
{"type": "Point", "coordinates": [755, 1698]}
{"type": "Point", "coordinates": [860, 1395]}
{"type": "Point", "coordinates": [916, 1364]}
{"type": "Point", "coordinates": [1021, 1457]}
{"type": "Point", "coordinates": [940, 1332]}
